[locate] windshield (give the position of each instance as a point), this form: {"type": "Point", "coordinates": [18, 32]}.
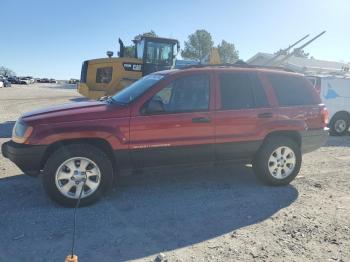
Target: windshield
{"type": "Point", "coordinates": [136, 89]}
{"type": "Point", "coordinates": [139, 49]}
{"type": "Point", "coordinates": [159, 53]}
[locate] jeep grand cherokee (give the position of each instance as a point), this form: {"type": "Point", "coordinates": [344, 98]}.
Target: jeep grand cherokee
{"type": "Point", "coordinates": [263, 116]}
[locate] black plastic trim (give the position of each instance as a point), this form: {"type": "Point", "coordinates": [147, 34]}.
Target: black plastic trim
{"type": "Point", "coordinates": [313, 139]}
{"type": "Point", "coordinates": [26, 157]}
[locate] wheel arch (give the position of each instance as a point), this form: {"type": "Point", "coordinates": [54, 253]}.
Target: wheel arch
{"type": "Point", "coordinates": [342, 112]}
{"type": "Point", "coordinates": [99, 143]}
{"type": "Point", "coordinates": [294, 135]}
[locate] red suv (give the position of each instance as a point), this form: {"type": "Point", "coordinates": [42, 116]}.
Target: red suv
{"type": "Point", "coordinates": [264, 116]}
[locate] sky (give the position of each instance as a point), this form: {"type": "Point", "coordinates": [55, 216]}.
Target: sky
{"type": "Point", "coordinates": [44, 38]}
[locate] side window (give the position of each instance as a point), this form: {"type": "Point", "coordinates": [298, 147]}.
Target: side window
{"type": "Point", "coordinates": [104, 75]}
{"type": "Point", "coordinates": [186, 94]}
{"type": "Point", "coordinates": [236, 91]}
{"type": "Point", "coordinates": [291, 90]}
{"type": "Point", "coordinates": [259, 92]}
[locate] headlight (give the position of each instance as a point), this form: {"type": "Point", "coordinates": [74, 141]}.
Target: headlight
{"type": "Point", "coordinates": [21, 131]}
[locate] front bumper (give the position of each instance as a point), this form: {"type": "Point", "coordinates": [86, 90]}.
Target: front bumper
{"type": "Point", "coordinates": [313, 139]}
{"type": "Point", "coordinates": [27, 157]}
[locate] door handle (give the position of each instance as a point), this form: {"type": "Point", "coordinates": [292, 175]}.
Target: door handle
{"type": "Point", "coordinates": [265, 115]}
{"type": "Point", "coordinates": [201, 120]}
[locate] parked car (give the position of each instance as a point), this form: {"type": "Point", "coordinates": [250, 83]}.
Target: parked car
{"type": "Point", "coordinates": [53, 81]}
{"type": "Point", "coordinates": [13, 80]}
{"type": "Point", "coordinates": [24, 81]}
{"type": "Point", "coordinates": [73, 81]}
{"type": "Point", "coordinates": [31, 79]}
{"type": "Point", "coordinates": [266, 117]}
{"type": "Point", "coordinates": [5, 82]}
{"type": "Point", "coordinates": [44, 80]}
{"type": "Point", "coordinates": [335, 94]}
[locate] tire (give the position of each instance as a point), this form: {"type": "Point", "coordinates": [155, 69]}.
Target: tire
{"type": "Point", "coordinates": [58, 177]}
{"type": "Point", "coordinates": [266, 160]}
{"type": "Point", "coordinates": [339, 125]}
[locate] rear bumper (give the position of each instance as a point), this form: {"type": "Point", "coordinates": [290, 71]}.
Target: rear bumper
{"type": "Point", "coordinates": [27, 157]}
{"type": "Point", "coordinates": [313, 139]}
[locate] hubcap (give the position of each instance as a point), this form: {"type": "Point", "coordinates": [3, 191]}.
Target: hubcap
{"type": "Point", "coordinates": [71, 175]}
{"type": "Point", "coordinates": [340, 125]}
{"type": "Point", "coordinates": [282, 162]}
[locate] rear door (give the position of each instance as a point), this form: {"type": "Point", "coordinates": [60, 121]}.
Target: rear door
{"type": "Point", "coordinates": [242, 114]}
{"type": "Point", "coordinates": [182, 131]}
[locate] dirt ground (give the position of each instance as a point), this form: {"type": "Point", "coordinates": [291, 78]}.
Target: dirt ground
{"type": "Point", "coordinates": [205, 213]}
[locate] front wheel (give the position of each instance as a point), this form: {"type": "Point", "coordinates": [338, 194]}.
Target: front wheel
{"type": "Point", "coordinates": [278, 161]}
{"type": "Point", "coordinates": [77, 168]}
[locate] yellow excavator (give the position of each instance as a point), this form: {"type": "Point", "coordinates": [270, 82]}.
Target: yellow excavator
{"type": "Point", "coordinates": [106, 76]}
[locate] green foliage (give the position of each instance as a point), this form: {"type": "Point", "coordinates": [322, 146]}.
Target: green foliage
{"type": "Point", "coordinates": [227, 52]}
{"type": "Point", "coordinates": [6, 71]}
{"type": "Point", "coordinates": [198, 46]}
{"type": "Point", "coordinates": [150, 33]}
{"type": "Point", "coordinates": [129, 50]}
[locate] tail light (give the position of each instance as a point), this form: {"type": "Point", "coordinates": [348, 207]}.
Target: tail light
{"type": "Point", "coordinates": [325, 117]}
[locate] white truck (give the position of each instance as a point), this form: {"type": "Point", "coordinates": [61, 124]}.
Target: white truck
{"type": "Point", "coordinates": [335, 94]}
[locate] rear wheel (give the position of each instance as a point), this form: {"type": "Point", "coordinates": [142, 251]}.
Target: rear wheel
{"type": "Point", "coordinates": [77, 168]}
{"type": "Point", "coordinates": [278, 161]}
{"type": "Point", "coordinates": [340, 124]}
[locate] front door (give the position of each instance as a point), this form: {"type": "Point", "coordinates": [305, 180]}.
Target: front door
{"type": "Point", "coordinates": [175, 126]}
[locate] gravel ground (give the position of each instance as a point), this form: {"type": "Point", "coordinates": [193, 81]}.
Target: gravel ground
{"type": "Point", "coordinates": [207, 213]}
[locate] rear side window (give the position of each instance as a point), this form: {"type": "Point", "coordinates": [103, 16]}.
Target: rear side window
{"type": "Point", "coordinates": [259, 92]}
{"type": "Point", "coordinates": [292, 91]}
{"type": "Point", "coordinates": [241, 90]}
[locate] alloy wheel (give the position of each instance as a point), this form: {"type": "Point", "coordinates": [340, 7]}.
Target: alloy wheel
{"type": "Point", "coordinates": [73, 173]}
{"type": "Point", "coordinates": [282, 162]}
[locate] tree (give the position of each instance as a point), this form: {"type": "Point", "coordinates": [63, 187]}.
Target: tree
{"type": "Point", "coordinates": [6, 71]}
{"type": "Point", "coordinates": [129, 51]}
{"type": "Point", "coordinates": [150, 33]}
{"type": "Point", "coordinates": [198, 46]}
{"type": "Point", "coordinates": [227, 52]}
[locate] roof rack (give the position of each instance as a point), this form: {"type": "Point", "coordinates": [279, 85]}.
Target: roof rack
{"type": "Point", "coordinates": [239, 64]}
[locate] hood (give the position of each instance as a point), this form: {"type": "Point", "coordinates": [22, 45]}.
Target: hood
{"type": "Point", "coordinates": [76, 111]}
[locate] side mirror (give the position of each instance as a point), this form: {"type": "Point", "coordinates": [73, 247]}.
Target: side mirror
{"type": "Point", "coordinates": [154, 107]}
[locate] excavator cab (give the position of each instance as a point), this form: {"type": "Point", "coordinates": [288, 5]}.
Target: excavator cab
{"type": "Point", "coordinates": [106, 76]}
{"type": "Point", "coordinates": [156, 53]}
